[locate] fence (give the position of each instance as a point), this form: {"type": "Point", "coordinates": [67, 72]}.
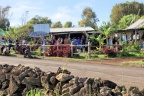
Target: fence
{"type": "Point", "coordinates": [89, 52]}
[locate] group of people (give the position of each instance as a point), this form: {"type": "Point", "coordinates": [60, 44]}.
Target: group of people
{"type": "Point", "coordinates": [129, 37]}
{"type": "Point", "coordinates": [8, 43]}
{"type": "Point", "coordinates": [124, 37]}
{"type": "Point", "coordinates": [74, 41]}
{"type": "Point", "coordinates": [3, 44]}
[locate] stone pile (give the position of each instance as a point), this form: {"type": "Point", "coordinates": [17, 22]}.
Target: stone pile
{"type": "Point", "coordinates": [18, 80]}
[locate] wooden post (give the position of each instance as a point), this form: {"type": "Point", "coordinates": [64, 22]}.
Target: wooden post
{"type": "Point", "coordinates": [89, 48]}
{"type": "Point", "coordinates": [14, 47]}
{"type": "Point", "coordinates": [135, 36]}
{"type": "Point", "coordinates": [57, 46]}
{"type": "Point", "coordinates": [30, 48]}
{"type": "Point", "coordinates": [43, 51]}
{"type": "Point", "coordinates": [111, 43]}
{"type": "Point", "coordinates": [72, 49]}
{"type": "Point", "coordinates": [0, 48]}
{"type": "Point", "coordinates": [116, 49]}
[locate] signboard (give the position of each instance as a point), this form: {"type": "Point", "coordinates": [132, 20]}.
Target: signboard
{"type": "Point", "coordinates": [40, 30]}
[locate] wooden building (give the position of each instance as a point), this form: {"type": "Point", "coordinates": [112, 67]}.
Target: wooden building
{"type": "Point", "coordinates": [72, 32]}
{"type": "Point", "coordinates": [134, 32]}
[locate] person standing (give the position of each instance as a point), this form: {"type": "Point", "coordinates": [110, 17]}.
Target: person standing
{"type": "Point", "coordinates": [9, 44]}
{"type": "Point", "coordinates": [43, 43]}
{"type": "Point", "coordinates": [61, 40]}
{"type": "Point", "coordinates": [24, 41]}
{"type": "Point", "coordinates": [123, 38]}
{"type": "Point", "coordinates": [66, 40]}
{"type": "Point", "coordinates": [79, 43]}
{"type": "Point", "coordinates": [52, 41]}
{"type": "Point", "coordinates": [17, 42]}
{"type": "Point", "coordinates": [58, 40]}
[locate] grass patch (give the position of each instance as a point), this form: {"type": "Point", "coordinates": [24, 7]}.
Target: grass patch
{"type": "Point", "coordinates": [84, 56]}
{"type": "Point", "coordinates": [134, 63]}
{"type": "Point", "coordinates": [133, 55]}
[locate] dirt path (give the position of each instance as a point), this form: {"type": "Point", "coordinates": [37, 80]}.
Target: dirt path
{"type": "Point", "coordinates": [129, 76]}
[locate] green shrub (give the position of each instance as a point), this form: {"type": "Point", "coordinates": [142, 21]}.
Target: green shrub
{"type": "Point", "coordinates": [39, 52]}
{"type": "Point", "coordinates": [136, 47]}
{"type": "Point", "coordinates": [35, 92]}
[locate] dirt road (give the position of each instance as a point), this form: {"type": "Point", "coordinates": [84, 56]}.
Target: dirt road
{"type": "Point", "coordinates": [129, 76]}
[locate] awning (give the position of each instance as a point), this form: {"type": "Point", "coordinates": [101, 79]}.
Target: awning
{"type": "Point", "coordinates": [38, 34]}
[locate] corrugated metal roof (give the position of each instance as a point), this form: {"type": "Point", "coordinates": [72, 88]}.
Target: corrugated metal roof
{"type": "Point", "coordinates": [73, 29]}
{"type": "Point", "coordinates": [137, 25]}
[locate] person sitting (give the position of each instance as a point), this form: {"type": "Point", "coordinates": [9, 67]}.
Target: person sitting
{"type": "Point", "coordinates": [3, 43]}
{"type": "Point", "coordinates": [5, 51]}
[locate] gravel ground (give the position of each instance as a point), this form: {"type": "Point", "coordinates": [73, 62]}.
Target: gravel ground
{"type": "Point", "coordinates": [122, 75]}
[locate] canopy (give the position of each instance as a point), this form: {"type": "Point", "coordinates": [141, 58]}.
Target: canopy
{"type": "Point", "coordinates": [38, 34]}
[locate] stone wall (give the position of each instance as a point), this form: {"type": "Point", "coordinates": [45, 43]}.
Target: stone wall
{"type": "Point", "coordinates": [18, 80]}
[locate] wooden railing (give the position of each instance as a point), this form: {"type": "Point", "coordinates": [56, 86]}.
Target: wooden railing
{"type": "Point", "coordinates": [89, 52]}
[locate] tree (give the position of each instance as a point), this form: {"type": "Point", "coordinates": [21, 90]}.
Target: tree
{"type": "Point", "coordinates": [127, 8]}
{"type": "Point", "coordinates": [28, 27]}
{"type": "Point", "coordinates": [100, 39]}
{"type": "Point", "coordinates": [24, 31]}
{"type": "Point", "coordinates": [68, 24]}
{"type": "Point", "coordinates": [127, 20]}
{"type": "Point", "coordinates": [4, 21]}
{"type": "Point", "coordinates": [57, 25]}
{"type": "Point", "coordinates": [89, 18]}
{"type": "Point", "coordinates": [40, 20]}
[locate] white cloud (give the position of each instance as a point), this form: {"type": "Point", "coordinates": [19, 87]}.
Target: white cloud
{"type": "Point", "coordinates": [20, 9]}
{"type": "Point", "coordinates": [64, 14]}
{"type": "Point", "coordinates": [80, 6]}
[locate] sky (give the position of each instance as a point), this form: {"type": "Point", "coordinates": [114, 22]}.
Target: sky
{"type": "Point", "coordinates": [58, 10]}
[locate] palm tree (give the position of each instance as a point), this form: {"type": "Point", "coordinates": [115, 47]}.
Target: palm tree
{"type": "Point", "coordinates": [106, 29]}
{"type": "Point", "coordinates": [106, 33]}
{"type": "Point", "coordinates": [100, 39]}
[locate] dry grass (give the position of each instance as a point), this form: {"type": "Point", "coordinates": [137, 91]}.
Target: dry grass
{"type": "Point", "coordinates": [134, 63]}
